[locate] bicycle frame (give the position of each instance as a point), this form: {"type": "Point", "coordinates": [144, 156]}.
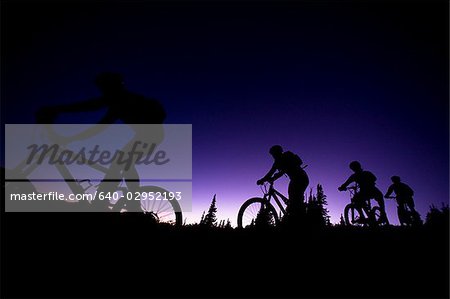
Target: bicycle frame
{"type": "Point", "coordinates": [276, 195]}
{"type": "Point", "coordinates": [366, 206]}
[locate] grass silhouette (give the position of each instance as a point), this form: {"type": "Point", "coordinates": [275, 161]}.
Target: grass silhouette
{"type": "Point", "coordinates": [129, 255]}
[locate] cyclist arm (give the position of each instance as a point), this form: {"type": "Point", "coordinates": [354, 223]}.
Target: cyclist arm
{"type": "Point", "coordinates": [269, 175]}
{"type": "Point", "coordinates": [47, 114]}
{"type": "Point", "coordinates": [276, 176]}
{"type": "Point", "coordinates": [88, 105]}
{"type": "Point", "coordinates": [389, 191]}
{"type": "Point", "coordinates": [350, 180]}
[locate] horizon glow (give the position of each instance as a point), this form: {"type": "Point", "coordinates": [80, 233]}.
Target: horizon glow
{"type": "Point", "coordinates": [333, 83]}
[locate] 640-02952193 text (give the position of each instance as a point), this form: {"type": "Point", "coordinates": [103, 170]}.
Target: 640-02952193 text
{"type": "Point", "coordinates": [130, 195]}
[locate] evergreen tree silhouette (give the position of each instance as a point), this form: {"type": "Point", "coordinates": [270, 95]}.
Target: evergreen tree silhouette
{"type": "Point", "coordinates": [342, 221]}
{"type": "Point", "coordinates": [202, 219]}
{"type": "Point", "coordinates": [322, 202]}
{"type": "Point", "coordinates": [264, 218]}
{"type": "Point", "coordinates": [316, 212]}
{"type": "Point", "coordinates": [210, 219]}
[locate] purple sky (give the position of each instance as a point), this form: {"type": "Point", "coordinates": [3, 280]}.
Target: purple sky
{"type": "Point", "coordinates": [331, 81]}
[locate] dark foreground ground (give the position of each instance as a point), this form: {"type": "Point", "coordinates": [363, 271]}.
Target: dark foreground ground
{"type": "Point", "coordinates": [110, 255]}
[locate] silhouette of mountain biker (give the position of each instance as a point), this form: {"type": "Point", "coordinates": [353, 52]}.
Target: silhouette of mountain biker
{"type": "Point", "coordinates": [122, 106]}
{"type": "Point", "coordinates": [290, 164]}
{"type": "Point", "coordinates": [404, 193]}
{"type": "Point", "coordinates": [367, 189]}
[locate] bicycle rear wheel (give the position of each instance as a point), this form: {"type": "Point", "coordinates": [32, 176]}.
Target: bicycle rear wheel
{"type": "Point", "coordinates": [163, 211]}
{"type": "Point", "coordinates": [166, 211]}
{"type": "Point", "coordinates": [257, 212]}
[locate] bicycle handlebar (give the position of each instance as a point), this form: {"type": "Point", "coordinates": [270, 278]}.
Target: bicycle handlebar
{"type": "Point", "coordinates": [350, 188]}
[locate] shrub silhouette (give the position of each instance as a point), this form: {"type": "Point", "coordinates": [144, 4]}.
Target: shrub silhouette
{"type": "Point", "coordinates": [438, 217]}
{"type": "Point", "coordinates": [225, 225]}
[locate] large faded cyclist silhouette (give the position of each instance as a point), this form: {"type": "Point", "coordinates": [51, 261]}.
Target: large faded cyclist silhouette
{"type": "Point", "coordinates": [123, 106]}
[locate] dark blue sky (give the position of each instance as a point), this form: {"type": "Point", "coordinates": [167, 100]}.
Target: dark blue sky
{"type": "Point", "coordinates": [334, 81]}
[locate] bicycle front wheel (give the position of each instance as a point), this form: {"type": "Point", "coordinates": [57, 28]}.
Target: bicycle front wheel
{"type": "Point", "coordinates": [352, 216]}
{"type": "Point", "coordinates": [257, 212]}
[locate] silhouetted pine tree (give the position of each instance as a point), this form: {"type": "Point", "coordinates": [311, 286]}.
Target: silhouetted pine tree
{"type": "Point", "coordinates": [210, 219]}
{"type": "Point", "coordinates": [342, 221]}
{"type": "Point", "coordinates": [316, 212]}
{"type": "Point", "coordinates": [322, 202]}
{"type": "Point", "coordinates": [202, 219]}
{"type": "Point", "coordinates": [264, 218]}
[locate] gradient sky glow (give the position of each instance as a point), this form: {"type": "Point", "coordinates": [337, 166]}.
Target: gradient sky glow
{"type": "Point", "coordinates": [332, 81]}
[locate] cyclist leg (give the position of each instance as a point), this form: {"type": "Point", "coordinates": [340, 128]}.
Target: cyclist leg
{"type": "Point", "coordinates": [415, 216]}
{"type": "Point", "coordinates": [123, 166]}
{"type": "Point", "coordinates": [107, 186]}
{"type": "Point", "coordinates": [295, 209]}
{"type": "Point", "coordinates": [359, 200]}
{"type": "Point", "coordinates": [144, 138]}
{"type": "Point", "coordinates": [410, 203]}
{"type": "Point", "coordinates": [378, 196]}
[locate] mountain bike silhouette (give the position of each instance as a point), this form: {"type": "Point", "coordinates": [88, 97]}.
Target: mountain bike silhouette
{"type": "Point", "coordinates": [370, 216]}
{"type": "Point", "coordinates": [163, 211]}
{"type": "Point", "coordinates": [258, 209]}
{"type": "Point", "coordinates": [406, 216]}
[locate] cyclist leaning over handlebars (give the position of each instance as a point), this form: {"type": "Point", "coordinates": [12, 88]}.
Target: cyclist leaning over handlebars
{"type": "Point", "coordinates": [121, 106]}
{"type": "Point", "coordinates": [404, 193]}
{"type": "Point", "coordinates": [286, 162]}
{"type": "Point", "coordinates": [367, 189]}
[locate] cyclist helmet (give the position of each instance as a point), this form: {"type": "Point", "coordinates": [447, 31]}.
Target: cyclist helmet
{"type": "Point", "coordinates": [395, 179]}
{"type": "Point", "coordinates": [276, 150]}
{"type": "Point", "coordinates": [355, 165]}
